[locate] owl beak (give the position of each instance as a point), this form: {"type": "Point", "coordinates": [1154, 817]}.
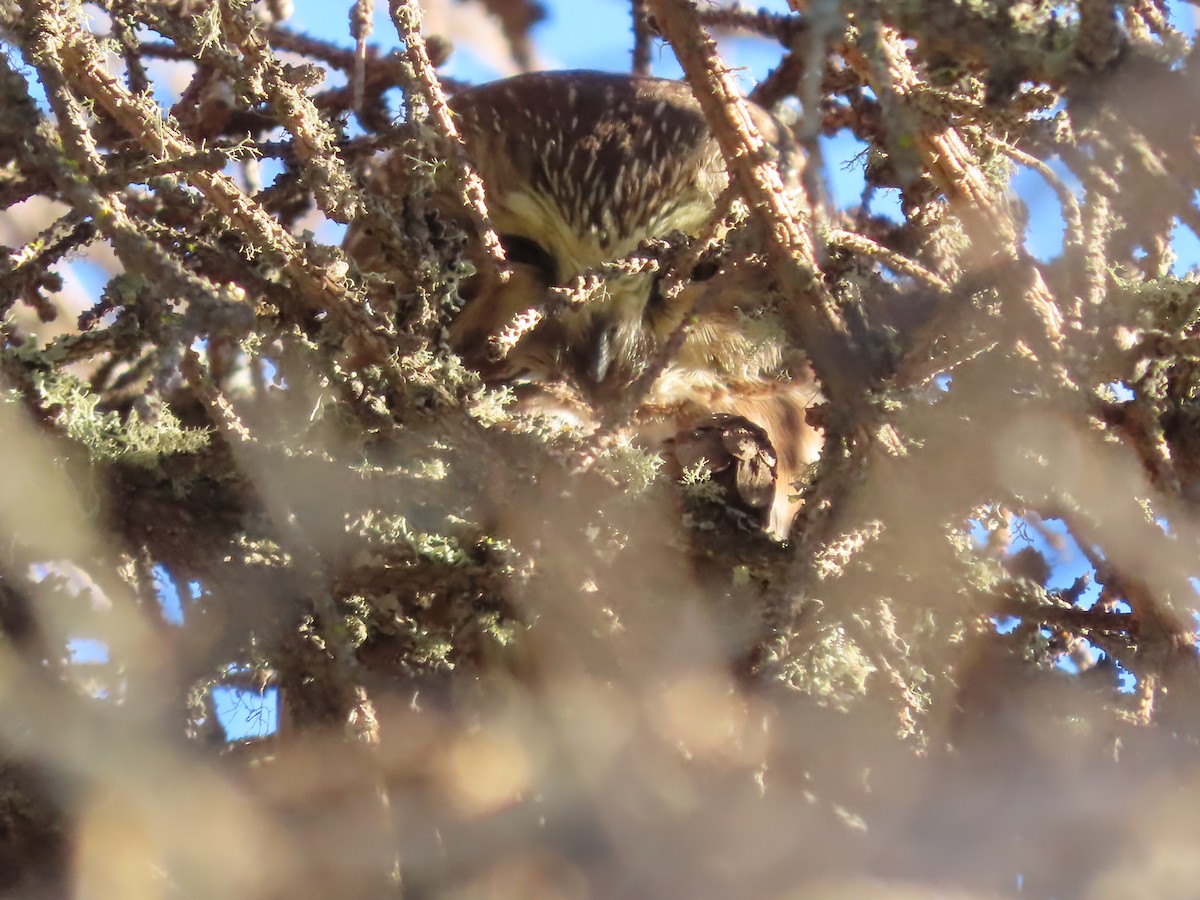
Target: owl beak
{"type": "Point", "coordinates": [602, 354]}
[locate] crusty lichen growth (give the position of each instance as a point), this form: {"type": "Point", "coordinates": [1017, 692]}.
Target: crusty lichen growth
{"type": "Point", "coordinates": [107, 436]}
{"type": "Point", "coordinates": [832, 668]}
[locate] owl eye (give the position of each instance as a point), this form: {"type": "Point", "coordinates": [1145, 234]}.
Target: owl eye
{"type": "Point", "coordinates": [528, 252]}
{"type": "Point", "coordinates": [707, 266]}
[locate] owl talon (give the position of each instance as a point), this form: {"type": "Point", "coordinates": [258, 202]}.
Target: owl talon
{"type": "Point", "coordinates": [740, 458]}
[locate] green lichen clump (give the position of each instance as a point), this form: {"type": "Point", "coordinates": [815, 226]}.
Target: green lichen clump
{"type": "Point", "coordinates": [107, 435]}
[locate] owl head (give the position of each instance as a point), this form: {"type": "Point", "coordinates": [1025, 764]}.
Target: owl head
{"type": "Point", "coordinates": [580, 168]}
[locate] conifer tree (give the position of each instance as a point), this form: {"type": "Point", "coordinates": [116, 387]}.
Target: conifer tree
{"type": "Point", "coordinates": [503, 657]}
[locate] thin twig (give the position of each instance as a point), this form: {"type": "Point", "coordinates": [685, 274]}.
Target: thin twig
{"type": "Point", "coordinates": [406, 15]}
{"type": "Point", "coordinates": [1070, 206]}
{"type": "Point", "coordinates": [361, 21]}
{"type": "Point", "coordinates": [643, 37]}
{"type": "Point", "coordinates": [783, 214]}
{"type": "Point", "coordinates": [897, 262]}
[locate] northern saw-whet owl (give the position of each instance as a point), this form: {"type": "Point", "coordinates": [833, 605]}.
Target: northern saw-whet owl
{"type": "Point", "coordinates": [579, 169]}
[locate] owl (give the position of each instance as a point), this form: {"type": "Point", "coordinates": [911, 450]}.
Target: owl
{"type": "Point", "coordinates": [580, 168]}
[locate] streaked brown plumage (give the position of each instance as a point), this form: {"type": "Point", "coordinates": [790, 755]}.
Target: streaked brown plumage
{"type": "Point", "coordinates": [580, 168]}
